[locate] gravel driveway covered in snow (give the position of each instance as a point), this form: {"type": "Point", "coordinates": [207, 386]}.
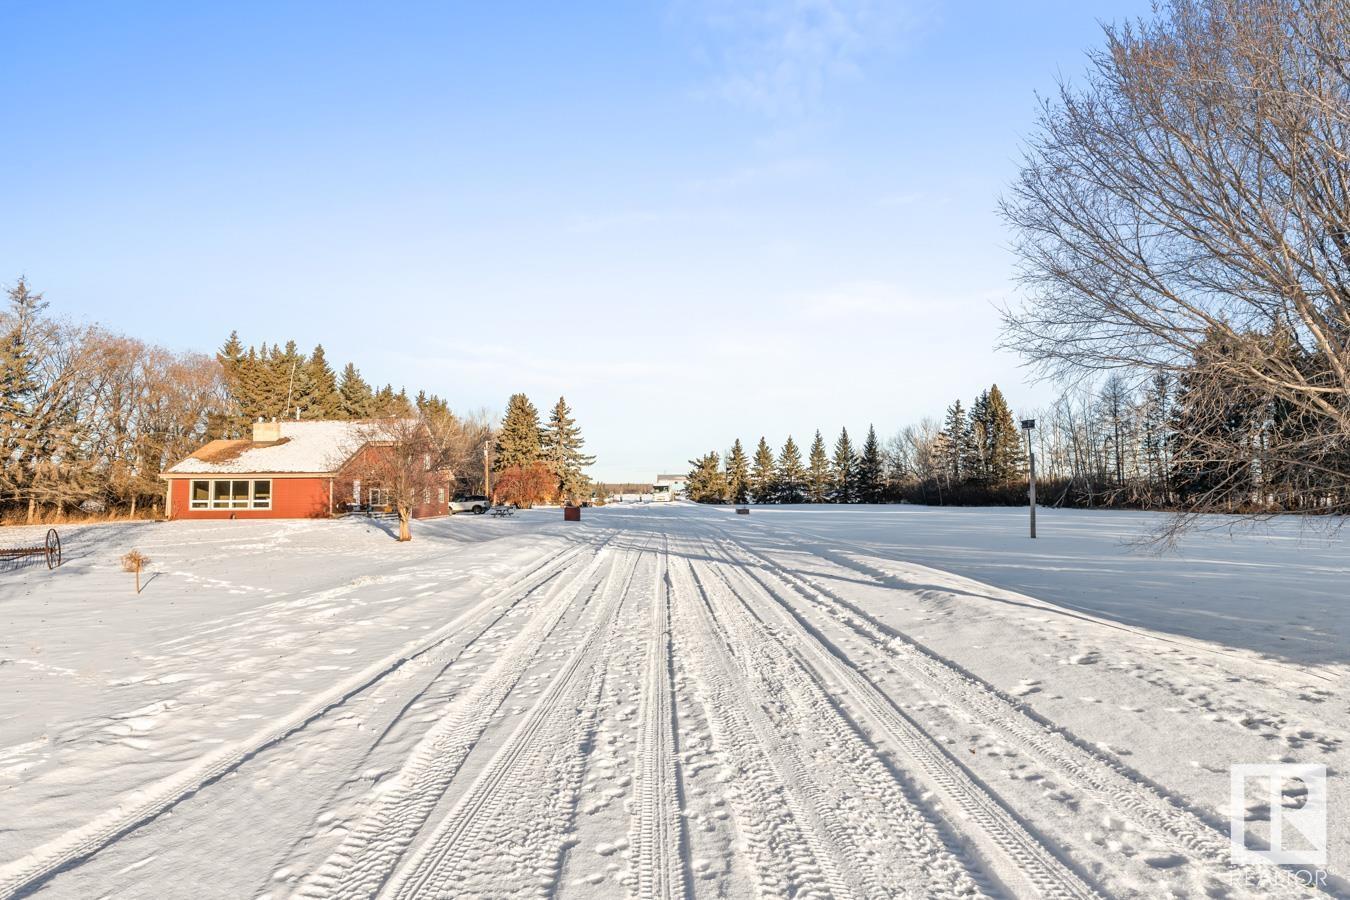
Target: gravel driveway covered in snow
{"type": "Point", "coordinates": [666, 701]}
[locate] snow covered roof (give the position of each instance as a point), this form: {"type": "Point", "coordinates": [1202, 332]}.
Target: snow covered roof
{"type": "Point", "coordinates": [318, 446]}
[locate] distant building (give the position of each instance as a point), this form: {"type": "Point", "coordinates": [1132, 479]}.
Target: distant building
{"type": "Point", "coordinates": [668, 487]}
{"type": "Point", "coordinates": [287, 470]}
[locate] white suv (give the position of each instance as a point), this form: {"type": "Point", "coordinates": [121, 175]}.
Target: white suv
{"type": "Point", "coordinates": [475, 504]}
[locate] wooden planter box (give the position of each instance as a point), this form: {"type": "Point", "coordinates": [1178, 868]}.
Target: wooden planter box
{"type": "Point", "coordinates": [571, 513]}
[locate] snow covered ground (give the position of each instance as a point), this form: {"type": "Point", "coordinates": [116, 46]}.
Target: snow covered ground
{"type": "Point", "coordinates": [665, 701]}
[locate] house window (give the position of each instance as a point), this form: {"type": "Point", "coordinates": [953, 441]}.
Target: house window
{"type": "Point", "coordinates": [376, 497]}
{"type": "Point", "coordinates": [426, 495]}
{"type": "Point", "coordinates": [231, 494]}
{"type": "Point", "coordinates": [426, 461]}
{"type": "Point", "coordinates": [356, 491]}
{"type": "Point", "coordinates": [440, 495]}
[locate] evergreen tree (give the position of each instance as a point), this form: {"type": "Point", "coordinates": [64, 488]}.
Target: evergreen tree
{"type": "Point", "coordinates": [871, 470]}
{"type": "Point", "coordinates": [845, 469]}
{"type": "Point", "coordinates": [791, 482]}
{"type": "Point", "coordinates": [320, 398]}
{"type": "Point", "coordinates": [819, 478]}
{"type": "Point", "coordinates": [1215, 429]}
{"type": "Point", "coordinates": [707, 483]}
{"type": "Point", "coordinates": [20, 421]}
{"type": "Point", "coordinates": [265, 382]}
{"type": "Point", "coordinates": [560, 450]}
{"type": "Point", "coordinates": [355, 398]}
{"type": "Point", "coordinates": [957, 454]}
{"type": "Point", "coordinates": [518, 441]}
{"type": "Point", "coordinates": [286, 370]}
{"type": "Point", "coordinates": [233, 359]}
{"type": "Point", "coordinates": [763, 477]}
{"type": "Point", "coordinates": [738, 474]}
{"type": "Point", "coordinates": [382, 406]}
{"type": "Point", "coordinates": [978, 431]}
{"type": "Point", "coordinates": [1003, 450]}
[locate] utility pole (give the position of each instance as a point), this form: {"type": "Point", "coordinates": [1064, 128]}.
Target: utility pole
{"type": "Point", "coordinates": [487, 473]}
{"type": "Point", "coordinates": [1028, 425]}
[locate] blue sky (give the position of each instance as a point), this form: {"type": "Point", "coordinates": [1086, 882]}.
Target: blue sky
{"type": "Point", "coordinates": [697, 220]}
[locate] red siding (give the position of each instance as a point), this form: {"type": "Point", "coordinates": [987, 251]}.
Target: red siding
{"type": "Point", "coordinates": [292, 498]}
{"type": "Point", "coordinates": [441, 485]}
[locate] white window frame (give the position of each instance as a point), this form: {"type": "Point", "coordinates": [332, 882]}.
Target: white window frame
{"type": "Point", "coordinates": [218, 499]}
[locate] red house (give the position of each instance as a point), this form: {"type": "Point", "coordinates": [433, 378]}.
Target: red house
{"type": "Point", "coordinates": [289, 470]}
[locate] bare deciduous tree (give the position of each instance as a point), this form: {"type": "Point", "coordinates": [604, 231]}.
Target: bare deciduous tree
{"type": "Point", "coordinates": [401, 458]}
{"type": "Point", "coordinates": [1188, 210]}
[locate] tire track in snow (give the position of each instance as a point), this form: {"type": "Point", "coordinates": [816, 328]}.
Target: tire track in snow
{"type": "Point", "coordinates": [512, 821]}
{"type": "Point", "coordinates": [658, 831]}
{"type": "Point", "coordinates": [783, 839]}
{"type": "Point", "coordinates": [1038, 868]}
{"type": "Point", "coordinates": [1105, 780]}
{"type": "Point", "coordinates": [887, 843]}
{"type": "Point", "coordinates": [33, 869]}
{"type": "Point", "coordinates": [371, 850]}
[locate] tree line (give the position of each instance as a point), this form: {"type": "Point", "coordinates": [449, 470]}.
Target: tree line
{"type": "Point", "coordinates": [276, 381]}
{"type": "Point", "coordinates": [89, 418]}
{"type": "Point", "coordinates": [536, 463]}
{"type": "Point", "coordinates": [281, 382]}
{"type": "Point", "coordinates": [1162, 443]}
{"type": "Point", "coordinates": [975, 454]}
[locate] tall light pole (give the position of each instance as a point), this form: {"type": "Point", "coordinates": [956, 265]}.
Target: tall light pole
{"type": "Point", "coordinates": [1028, 425]}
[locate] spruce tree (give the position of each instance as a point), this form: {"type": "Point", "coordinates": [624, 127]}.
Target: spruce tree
{"type": "Point", "coordinates": [871, 470]}
{"type": "Point", "coordinates": [706, 483]}
{"type": "Point", "coordinates": [560, 450]}
{"type": "Point", "coordinates": [791, 486]}
{"type": "Point", "coordinates": [845, 469]}
{"type": "Point", "coordinates": [1004, 451]}
{"type": "Point", "coordinates": [355, 398]}
{"type": "Point", "coordinates": [402, 407]}
{"type": "Point", "coordinates": [819, 478]}
{"type": "Point", "coordinates": [956, 430]}
{"type": "Point", "coordinates": [232, 359]}
{"type": "Point", "coordinates": [320, 397]}
{"type": "Point", "coordinates": [763, 477]}
{"type": "Point", "coordinates": [382, 406]}
{"type": "Point", "coordinates": [287, 375]}
{"type": "Point", "coordinates": [738, 474]}
{"type": "Point", "coordinates": [518, 440]}
{"type": "Point", "coordinates": [979, 441]}
{"type": "Point", "coordinates": [267, 376]}
{"type": "Point", "coordinates": [20, 421]}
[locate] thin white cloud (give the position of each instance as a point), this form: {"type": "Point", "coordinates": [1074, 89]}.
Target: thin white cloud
{"type": "Point", "coordinates": [779, 57]}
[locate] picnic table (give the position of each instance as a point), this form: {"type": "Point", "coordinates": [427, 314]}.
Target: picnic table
{"type": "Point", "coordinates": [502, 511]}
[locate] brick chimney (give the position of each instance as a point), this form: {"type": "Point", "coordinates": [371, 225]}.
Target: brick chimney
{"type": "Point", "coordinates": [266, 432]}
